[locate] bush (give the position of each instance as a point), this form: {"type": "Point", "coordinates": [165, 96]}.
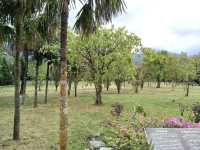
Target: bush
{"type": "Point", "coordinates": [196, 112]}
{"type": "Point", "coordinates": [139, 109]}
{"type": "Point", "coordinates": [6, 69]}
{"type": "Point", "coordinates": [122, 137]}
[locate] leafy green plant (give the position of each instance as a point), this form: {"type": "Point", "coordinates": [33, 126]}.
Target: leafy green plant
{"type": "Point", "coordinates": [140, 110]}
{"type": "Point", "coordinates": [196, 112]}
{"type": "Point", "coordinates": [122, 137]}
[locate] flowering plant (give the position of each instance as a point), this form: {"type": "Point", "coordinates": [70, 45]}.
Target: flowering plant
{"type": "Point", "coordinates": [179, 123]}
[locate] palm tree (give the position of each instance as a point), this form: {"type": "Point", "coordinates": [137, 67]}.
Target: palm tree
{"type": "Point", "coordinates": [18, 44]}
{"type": "Point", "coordinates": [47, 27]}
{"type": "Point", "coordinates": [12, 13]}
{"type": "Point", "coordinates": [92, 14]}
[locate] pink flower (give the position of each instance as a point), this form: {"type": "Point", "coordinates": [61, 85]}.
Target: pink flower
{"type": "Point", "coordinates": [197, 125]}
{"type": "Point", "coordinates": [174, 122]}
{"type": "Point", "coordinates": [187, 125]}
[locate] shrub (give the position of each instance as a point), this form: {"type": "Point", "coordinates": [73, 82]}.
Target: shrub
{"type": "Point", "coordinates": [196, 112]}
{"type": "Point", "coordinates": [122, 137]}
{"type": "Point", "coordinates": [139, 109]}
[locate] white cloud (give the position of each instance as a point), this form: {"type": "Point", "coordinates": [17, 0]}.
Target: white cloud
{"type": "Point", "coordinates": [173, 25]}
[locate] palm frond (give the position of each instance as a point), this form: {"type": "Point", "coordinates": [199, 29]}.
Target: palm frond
{"type": "Point", "coordinates": [6, 33]}
{"type": "Point", "coordinates": [97, 12]}
{"type": "Point", "coordinates": [85, 22]}
{"type": "Point", "coordinates": [106, 9]}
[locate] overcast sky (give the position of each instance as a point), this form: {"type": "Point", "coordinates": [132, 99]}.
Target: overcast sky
{"type": "Point", "coordinates": [173, 25]}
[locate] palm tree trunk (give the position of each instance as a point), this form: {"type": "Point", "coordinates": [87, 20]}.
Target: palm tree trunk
{"type": "Point", "coordinates": [19, 33]}
{"type": "Point", "coordinates": [17, 98]}
{"type": "Point", "coordinates": [36, 83]}
{"type": "Point", "coordinates": [24, 67]}
{"type": "Point", "coordinates": [63, 76]}
{"type": "Point", "coordinates": [47, 82]}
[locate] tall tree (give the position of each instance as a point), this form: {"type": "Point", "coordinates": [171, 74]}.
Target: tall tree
{"type": "Point", "coordinates": [18, 45]}
{"type": "Point", "coordinates": [89, 17]}
{"type": "Point", "coordinates": [12, 13]}
{"type": "Point", "coordinates": [38, 58]}
{"type": "Point", "coordinates": [14, 18]}
{"type": "Point", "coordinates": [50, 53]}
{"type": "Point", "coordinates": [122, 66]}
{"type": "Point", "coordinates": [156, 63]}
{"type": "Point", "coordinates": [187, 71]}
{"type": "Point", "coordinates": [47, 26]}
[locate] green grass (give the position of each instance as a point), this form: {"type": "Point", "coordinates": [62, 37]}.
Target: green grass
{"type": "Point", "coordinates": [40, 126]}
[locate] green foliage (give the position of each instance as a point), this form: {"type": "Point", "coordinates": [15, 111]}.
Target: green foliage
{"type": "Point", "coordinates": [156, 62]}
{"type": "Point", "coordinates": [6, 68]}
{"type": "Point", "coordinates": [75, 61]}
{"type": "Point", "coordinates": [107, 54]}
{"type": "Point", "coordinates": [167, 66]}
{"type": "Point", "coordinates": [125, 137]}
{"type": "Point", "coordinates": [196, 112]}
{"type": "Point", "coordinates": [139, 109]}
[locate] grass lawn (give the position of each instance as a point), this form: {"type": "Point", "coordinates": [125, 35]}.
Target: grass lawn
{"type": "Point", "coordinates": [40, 126]}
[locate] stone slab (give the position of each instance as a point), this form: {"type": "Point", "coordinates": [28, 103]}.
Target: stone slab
{"type": "Point", "coordinates": [174, 138]}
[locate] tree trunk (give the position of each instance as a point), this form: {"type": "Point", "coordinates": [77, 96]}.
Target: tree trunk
{"type": "Point", "coordinates": [39, 85]}
{"type": "Point", "coordinates": [137, 83]}
{"type": "Point", "coordinates": [17, 97]}
{"type": "Point", "coordinates": [47, 82]}
{"type": "Point", "coordinates": [98, 88]}
{"type": "Point", "coordinates": [75, 88]}
{"type": "Point", "coordinates": [173, 85]}
{"type": "Point", "coordinates": [136, 87]}
{"type": "Point", "coordinates": [142, 84]}
{"type": "Point", "coordinates": [107, 84]}
{"type": "Point", "coordinates": [36, 82]}
{"type": "Point", "coordinates": [18, 42]}
{"type": "Point", "coordinates": [187, 89]}
{"type": "Point", "coordinates": [57, 87]}
{"type": "Point", "coordinates": [24, 67]}
{"type": "Point", "coordinates": [69, 85]}
{"type": "Point", "coordinates": [118, 84]}
{"type": "Point", "coordinates": [63, 76]}
{"type": "Point", "coordinates": [158, 82]}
